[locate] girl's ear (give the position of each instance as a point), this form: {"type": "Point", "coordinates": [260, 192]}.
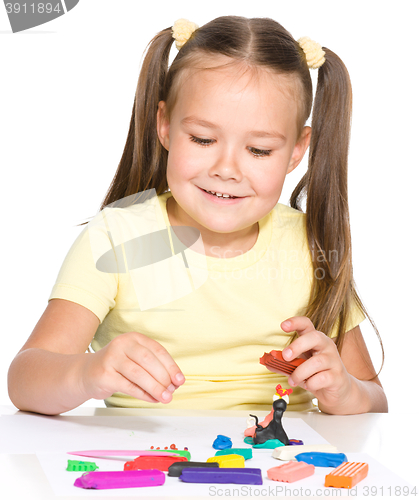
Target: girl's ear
{"type": "Point", "coordinates": [163, 125]}
{"type": "Point", "coordinates": [300, 149]}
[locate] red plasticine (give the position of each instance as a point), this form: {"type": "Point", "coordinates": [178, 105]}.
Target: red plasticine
{"type": "Point", "coordinates": [275, 362]}
{"type": "Point", "coordinates": [153, 462]}
{"type": "Point", "coordinates": [290, 472]}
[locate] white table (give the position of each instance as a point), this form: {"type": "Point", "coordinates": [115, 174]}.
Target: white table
{"type": "Point", "coordinates": [387, 438]}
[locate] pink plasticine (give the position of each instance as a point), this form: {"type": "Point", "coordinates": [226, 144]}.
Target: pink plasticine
{"type": "Point", "coordinates": [290, 472]}
{"type": "Point", "coordinates": [251, 430]}
{"type": "Point", "coordinates": [122, 453]}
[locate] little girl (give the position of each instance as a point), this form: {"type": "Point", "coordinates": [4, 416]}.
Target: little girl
{"type": "Point", "coordinates": [180, 294]}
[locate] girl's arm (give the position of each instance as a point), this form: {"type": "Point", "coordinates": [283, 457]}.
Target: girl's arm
{"type": "Point", "coordinates": [340, 383]}
{"type": "Point", "coordinates": [52, 373]}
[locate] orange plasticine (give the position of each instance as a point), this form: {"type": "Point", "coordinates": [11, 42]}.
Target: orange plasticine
{"type": "Point", "coordinates": [347, 475]}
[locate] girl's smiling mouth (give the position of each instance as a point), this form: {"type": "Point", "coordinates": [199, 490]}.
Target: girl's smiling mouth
{"type": "Point", "coordinates": [223, 198]}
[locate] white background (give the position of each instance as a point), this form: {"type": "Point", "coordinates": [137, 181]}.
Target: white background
{"type": "Point", "coordinates": [66, 94]}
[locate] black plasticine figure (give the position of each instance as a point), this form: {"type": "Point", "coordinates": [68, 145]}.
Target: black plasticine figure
{"type": "Point", "coordinates": [274, 429]}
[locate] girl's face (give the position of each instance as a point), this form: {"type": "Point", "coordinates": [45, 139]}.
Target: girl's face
{"type": "Point", "coordinates": [231, 133]}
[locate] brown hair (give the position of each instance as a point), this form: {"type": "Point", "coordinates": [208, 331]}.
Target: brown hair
{"type": "Point", "coordinates": [261, 43]}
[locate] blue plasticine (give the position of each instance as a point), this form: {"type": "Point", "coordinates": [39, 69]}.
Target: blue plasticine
{"type": "Point", "coordinates": [222, 442]}
{"type": "Point", "coordinates": [295, 442]}
{"type": "Point", "coordinates": [320, 459]}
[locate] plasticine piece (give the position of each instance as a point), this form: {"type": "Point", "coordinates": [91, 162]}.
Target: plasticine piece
{"type": "Point", "coordinates": [275, 362]}
{"type": "Point", "coordinates": [176, 469]}
{"type": "Point", "coordinates": [149, 462]}
{"type": "Point", "coordinates": [230, 461]}
{"type": "Point", "coordinates": [274, 429]}
{"type": "Point", "coordinates": [244, 452]}
{"type": "Point", "coordinates": [180, 453]}
{"type": "Point", "coordinates": [230, 475]}
{"type": "Point", "coordinates": [290, 472]}
{"type": "Point", "coordinates": [222, 442]}
{"type": "Point", "coordinates": [120, 453]}
{"type": "Point", "coordinates": [347, 475]}
{"type": "Point", "coordinates": [76, 465]}
{"type": "Point", "coordinates": [105, 480]}
{"type": "Point", "coordinates": [320, 459]}
{"type": "Point", "coordinates": [295, 442]}
{"type": "Point", "coordinates": [289, 452]}
{"type": "Point", "coordinates": [270, 444]}
{"type": "Point", "coordinates": [250, 431]}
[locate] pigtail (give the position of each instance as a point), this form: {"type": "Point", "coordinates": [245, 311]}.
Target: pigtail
{"type": "Point", "coordinates": [144, 160]}
{"type": "Point", "coordinates": [327, 213]}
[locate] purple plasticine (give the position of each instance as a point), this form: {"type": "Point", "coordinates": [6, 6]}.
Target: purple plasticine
{"type": "Point", "coordinates": [105, 480]}
{"type": "Point", "coordinates": [222, 475]}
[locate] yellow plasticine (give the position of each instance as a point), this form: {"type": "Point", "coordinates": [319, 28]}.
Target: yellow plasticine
{"type": "Point", "coordinates": [230, 461]}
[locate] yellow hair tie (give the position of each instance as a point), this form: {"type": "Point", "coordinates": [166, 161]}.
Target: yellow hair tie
{"type": "Point", "coordinates": [313, 51]}
{"type": "Point", "coordinates": [182, 30]}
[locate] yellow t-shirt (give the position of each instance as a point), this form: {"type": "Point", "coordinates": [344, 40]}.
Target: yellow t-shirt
{"type": "Point", "coordinates": [215, 316]}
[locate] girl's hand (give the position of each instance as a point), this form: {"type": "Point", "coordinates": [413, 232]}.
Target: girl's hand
{"type": "Point", "coordinates": [323, 374]}
{"type": "Point", "coordinates": [132, 364]}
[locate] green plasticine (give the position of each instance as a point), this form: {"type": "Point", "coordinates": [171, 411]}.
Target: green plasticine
{"type": "Point", "coordinates": [182, 453]}
{"type": "Point", "coordinates": [244, 452]}
{"type": "Point", "coordinates": [77, 465]}
{"type": "Point", "coordinates": [270, 444]}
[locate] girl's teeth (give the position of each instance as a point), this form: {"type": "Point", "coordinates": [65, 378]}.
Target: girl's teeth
{"type": "Point", "coordinates": [220, 195]}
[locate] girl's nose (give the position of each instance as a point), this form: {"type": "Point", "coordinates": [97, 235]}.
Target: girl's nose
{"type": "Point", "coordinates": [227, 166]}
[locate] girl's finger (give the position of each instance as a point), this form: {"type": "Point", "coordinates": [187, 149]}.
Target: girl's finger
{"type": "Point", "coordinates": [127, 387]}
{"type": "Point", "coordinates": [309, 368]}
{"type": "Point", "coordinates": [165, 360]}
{"type": "Point", "coordinates": [141, 377]}
{"type": "Point", "coordinates": [319, 381]}
{"type": "Point", "coordinates": [149, 362]}
{"type": "Point", "coordinates": [299, 324]}
{"type": "Point", "coordinates": [311, 341]}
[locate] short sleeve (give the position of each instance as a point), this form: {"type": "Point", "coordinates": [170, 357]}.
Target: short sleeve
{"type": "Point", "coordinates": [356, 316]}
{"type": "Point", "coordinates": [80, 281]}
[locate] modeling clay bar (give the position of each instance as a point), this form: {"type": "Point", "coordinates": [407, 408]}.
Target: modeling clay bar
{"type": "Point", "coordinates": [347, 475]}
{"type": "Point", "coordinates": [76, 465]}
{"type": "Point", "coordinates": [176, 469]}
{"type": "Point", "coordinates": [228, 461]}
{"type": "Point", "coordinates": [291, 472]}
{"type": "Point", "coordinates": [109, 454]}
{"type": "Point", "coordinates": [105, 480]}
{"type": "Point", "coordinates": [289, 452]}
{"type": "Point", "coordinates": [150, 462]}
{"type": "Point", "coordinates": [181, 453]}
{"type": "Point", "coordinates": [235, 476]}
{"type": "Point", "coordinates": [322, 459]}
{"type": "Point", "coordinates": [277, 363]}
{"type": "Point", "coordinates": [246, 453]}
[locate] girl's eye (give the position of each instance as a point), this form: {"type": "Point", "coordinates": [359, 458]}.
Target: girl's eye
{"type": "Point", "coordinates": [260, 152]}
{"type": "Point", "coordinates": [255, 151]}
{"type": "Point", "coordinates": [201, 142]}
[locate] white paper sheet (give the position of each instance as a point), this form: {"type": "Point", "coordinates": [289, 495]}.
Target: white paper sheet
{"type": "Point", "coordinates": [51, 437]}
